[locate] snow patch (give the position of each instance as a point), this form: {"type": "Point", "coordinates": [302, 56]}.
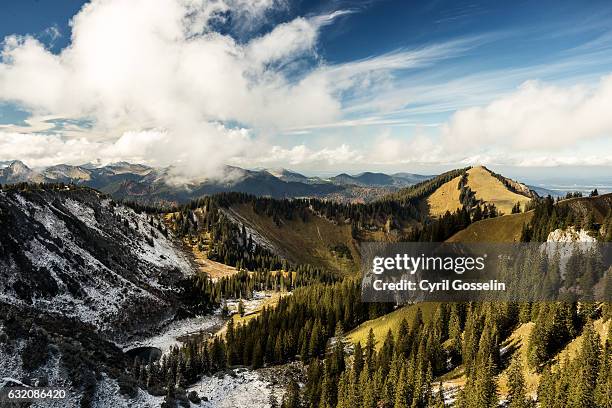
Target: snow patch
{"type": "Point", "coordinates": [168, 336]}
{"type": "Point", "coordinates": [241, 388]}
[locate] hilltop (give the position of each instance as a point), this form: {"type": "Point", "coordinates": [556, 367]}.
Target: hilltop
{"type": "Point", "coordinates": [487, 188]}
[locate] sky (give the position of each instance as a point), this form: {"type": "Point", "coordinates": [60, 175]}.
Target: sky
{"type": "Point", "coordinates": [315, 86]}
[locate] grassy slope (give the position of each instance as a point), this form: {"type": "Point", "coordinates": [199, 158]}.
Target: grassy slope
{"type": "Point", "coordinates": [491, 190]}
{"type": "Point", "coordinates": [600, 206]}
{"type": "Point", "coordinates": [269, 302]}
{"type": "Point", "coordinates": [508, 228]}
{"type": "Point", "coordinates": [215, 270]}
{"type": "Point", "coordinates": [486, 188]}
{"type": "Point", "coordinates": [445, 198]}
{"type": "Point", "coordinates": [571, 350]}
{"type": "Point", "coordinates": [517, 342]}
{"type": "Point", "coordinates": [305, 242]}
{"type": "Point", "coordinates": [381, 325]}
{"type": "Point", "coordinates": [500, 229]}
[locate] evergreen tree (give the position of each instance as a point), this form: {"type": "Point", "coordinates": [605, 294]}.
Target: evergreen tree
{"type": "Point", "coordinates": [603, 389]}
{"type": "Point", "coordinates": [516, 385]}
{"type": "Point", "coordinates": [583, 387]}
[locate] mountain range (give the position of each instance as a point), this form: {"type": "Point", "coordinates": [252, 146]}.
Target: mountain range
{"type": "Point", "coordinates": [137, 182]}
{"type": "Point", "coordinates": [85, 280]}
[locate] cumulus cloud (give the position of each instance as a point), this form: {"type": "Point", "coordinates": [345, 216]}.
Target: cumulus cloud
{"type": "Point", "coordinates": [131, 68]}
{"type": "Point", "coordinates": [162, 84]}
{"type": "Point", "coordinates": [41, 150]}
{"type": "Point", "coordinates": [537, 117]}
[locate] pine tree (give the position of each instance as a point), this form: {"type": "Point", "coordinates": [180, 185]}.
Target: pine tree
{"type": "Point", "coordinates": [485, 387]}
{"type": "Point", "coordinates": [547, 396]}
{"type": "Point", "coordinates": [241, 308]}
{"type": "Point", "coordinates": [603, 389]}
{"type": "Point", "coordinates": [369, 351]}
{"type": "Point", "coordinates": [344, 386]}
{"type": "Point", "coordinates": [358, 359]}
{"type": "Point", "coordinates": [363, 390]}
{"type": "Point", "coordinates": [312, 391]}
{"type": "Point", "coordinates": [401, 389]}
{"type": "Point", "coordinates": [516, 385]}
{"type": "Point", "coordinates": [583, 389]}
{"type": "Point", "coordinates": [327, 389]}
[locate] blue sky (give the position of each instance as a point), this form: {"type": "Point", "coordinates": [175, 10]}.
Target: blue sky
{"type": "Point", "coordinates": [314, 86]}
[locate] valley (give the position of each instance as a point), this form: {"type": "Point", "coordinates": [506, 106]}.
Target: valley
{"type": "Point", "coordinates": [247, 299]}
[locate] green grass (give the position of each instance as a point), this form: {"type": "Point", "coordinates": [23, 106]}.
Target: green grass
{"type": "Point", "coordinates": [381, 325]}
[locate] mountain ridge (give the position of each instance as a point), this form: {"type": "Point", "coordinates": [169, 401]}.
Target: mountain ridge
{"type": "Point", "coordinates": [139, 182]}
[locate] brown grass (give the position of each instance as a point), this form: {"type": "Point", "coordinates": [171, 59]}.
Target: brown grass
{"type": "Point", "coordinates": [381, 325]}
{"type": "Point", "coordinates": [271, 301]}
{"type": "Point", "coordinates": [491, 190]}
{"type": "Point", "coordinates": [215, 270]}
{"type": "Point", "coordinates": [445, 198]}
{"type": "Point", "coordinates": [500, 229]}
{"type": "Point", "coordinates": [519, 341]}
{"type": "Point", "coordinates": [305, 242]}
{"type": "Point", "coordinates": [486, 188]}
{"type": "Point", "coordinates": [572, 349]}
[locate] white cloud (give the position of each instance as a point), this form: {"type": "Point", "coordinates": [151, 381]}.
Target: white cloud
{"type": "Point", "coordinates": [131, 67]}
{"type": "Point", "coordinates": [157, 81]}
{"type": "Point", "coordinates": [536, 117]}
{"type": "Point", "coordinates": [40, 150]}
{"type": "Point", "coordinates": [302, 154]}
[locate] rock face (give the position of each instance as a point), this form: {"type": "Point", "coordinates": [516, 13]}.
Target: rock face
{"type": "Point", "coordinates": [15, 172]}
{"type": "Point", "coordinates": [570, 235]}
{"type": "Point", "coordinates": [78, 253]}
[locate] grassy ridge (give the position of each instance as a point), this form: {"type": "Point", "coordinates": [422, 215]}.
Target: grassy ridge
{"type": "Point", "coordinates": [445, 198]}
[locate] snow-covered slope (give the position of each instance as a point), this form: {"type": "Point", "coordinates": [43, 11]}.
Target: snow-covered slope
{"type": "Point", "coordinates": [80, 254]}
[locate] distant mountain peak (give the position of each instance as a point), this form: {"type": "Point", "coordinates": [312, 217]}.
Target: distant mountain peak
{"type": "Point", "coordinates": [18, 166]}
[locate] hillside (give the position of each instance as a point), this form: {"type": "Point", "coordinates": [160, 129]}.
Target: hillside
{"type": "Point", "coordinates": [499, 229]}
{"type": "Point", "coordinates": [316, 241]}
{"type": "Point", "coordinates": [444, 198]}
{"type": "Point", "coordinates": [81, 275]}
{"type": "Point", "coordinates": [113, 271]}
{"type": "Point", "coordinates": [371, 179]}
{"type": "Point", "coordinates": [599, 206]}
{"type": "Point", "coordinates": [381, 325]}
{"type": "Point", "coordinates": [487, 187]}
{"type": "Point", "coordinates": [490, 189]}
{"type": "Point", "coordinates": [76, 251]}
